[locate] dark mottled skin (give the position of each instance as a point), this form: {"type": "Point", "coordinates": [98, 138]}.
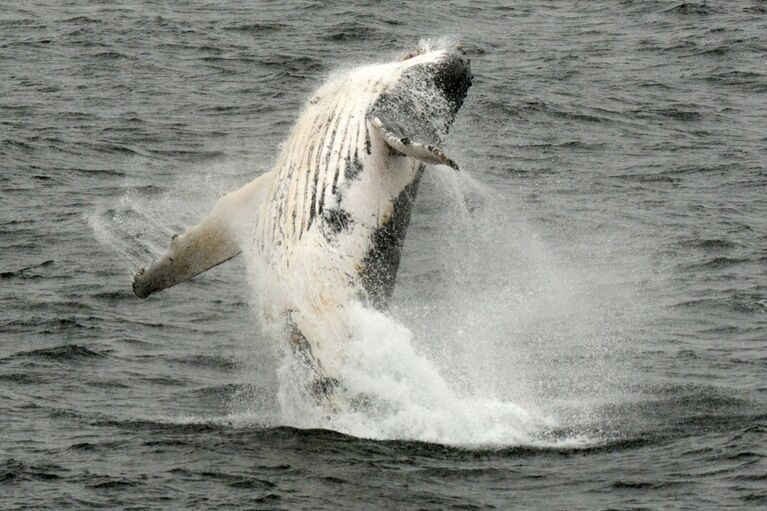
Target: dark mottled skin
{"type": "Point", "coordinates": [380, 266]}
{"type": "Point", "coordinates": [413, 120]}
{"type": "Point", "coordinates": [336, 220]}
{"type": "Point", "coordinates": [353, 167]}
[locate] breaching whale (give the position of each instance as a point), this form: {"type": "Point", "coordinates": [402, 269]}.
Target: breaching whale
{"type": "Point", "coordinates": [325, 227]}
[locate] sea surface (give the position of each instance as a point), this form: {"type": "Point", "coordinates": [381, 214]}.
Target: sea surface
{"type": "Point", "coordinates": [581, 314]}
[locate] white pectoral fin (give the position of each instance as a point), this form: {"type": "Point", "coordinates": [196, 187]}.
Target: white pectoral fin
{"type": "Point", "coordinates": [422, 151]}
{"type": "Point", "coordinates": [207, 244]}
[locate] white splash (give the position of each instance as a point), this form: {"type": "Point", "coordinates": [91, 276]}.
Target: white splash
{"type": "Point", "coordinates": [503, 344]}
{"type": "Point", "coordinates": [506, 348]}
{"type": "Point", "coordinates": [410, 398]}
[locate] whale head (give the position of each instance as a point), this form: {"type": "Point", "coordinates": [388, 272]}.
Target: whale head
{"type": "Point", "coordinates": [427, 90]}
{"type": "Point", "coordinates": [447, 71]}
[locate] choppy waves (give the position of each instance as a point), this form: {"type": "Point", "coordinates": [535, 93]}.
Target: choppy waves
{"type": "Point", "coordinates": [602, 274]}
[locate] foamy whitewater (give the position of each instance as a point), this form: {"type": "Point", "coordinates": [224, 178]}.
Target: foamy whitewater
{"type": "Point", "coordinates": [474, 361]}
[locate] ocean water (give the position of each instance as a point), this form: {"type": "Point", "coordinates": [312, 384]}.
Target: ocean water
{"type": "Point", "coordinates": [580, 320]}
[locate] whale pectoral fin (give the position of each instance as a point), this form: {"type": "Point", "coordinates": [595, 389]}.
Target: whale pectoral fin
{"type": "Point", "coordinates": [200, 248]}
{"type": "Point", "coordinates": [207, 244]}
{"type": "Point", "coordinates": [422, 151]}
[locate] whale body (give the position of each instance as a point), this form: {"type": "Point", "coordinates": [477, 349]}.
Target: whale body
{"type": "Point", "coordinates": [325, 227]}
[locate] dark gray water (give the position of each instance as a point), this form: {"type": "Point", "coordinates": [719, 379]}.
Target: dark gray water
{"type": "Point", "coordinates": [601, 262]}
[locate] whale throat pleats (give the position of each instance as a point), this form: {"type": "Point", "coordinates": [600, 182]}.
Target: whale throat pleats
{"type": "Point", "coordinates": [321, 154]}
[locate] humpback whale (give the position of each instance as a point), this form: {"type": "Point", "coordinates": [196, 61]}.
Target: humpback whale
{"type": "Point", "coordinates": [325, 227]}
